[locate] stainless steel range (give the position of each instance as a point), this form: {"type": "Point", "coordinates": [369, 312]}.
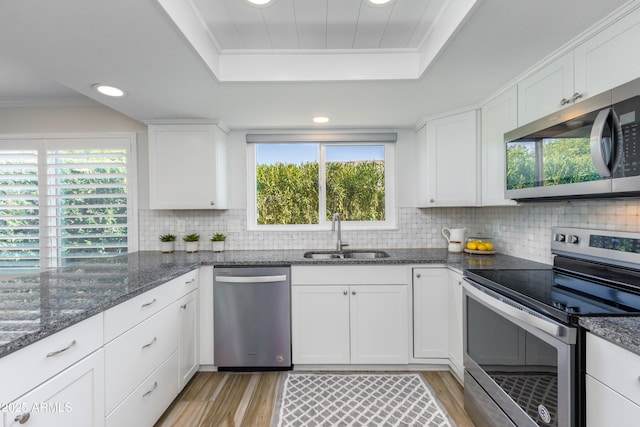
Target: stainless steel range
{"type": "Point", "coordinates": [524, 350]}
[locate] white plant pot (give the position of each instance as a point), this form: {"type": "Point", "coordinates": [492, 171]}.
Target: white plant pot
{"type": "Point", "coordinates": [191, 247]}
{"type": "Point", "coordinates": [167, 247]}
{"type": "Point", "coordinates": [217, 246]}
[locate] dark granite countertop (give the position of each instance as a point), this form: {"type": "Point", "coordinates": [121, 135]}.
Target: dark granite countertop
{"type": "Point", "coordinates": [35, 306]}
{"type": "Point", "coordinates": [623, 331]}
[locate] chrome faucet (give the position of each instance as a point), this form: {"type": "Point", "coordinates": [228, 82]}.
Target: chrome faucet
{"type": "Point", "coordinates": [336, 218]}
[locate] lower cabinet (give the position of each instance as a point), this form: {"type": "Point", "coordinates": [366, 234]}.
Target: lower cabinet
{"type": "Point", "coordinates": [455, 302]}
{"type": "Point", "coordinates": [613, 389]}
{"type": "Point", "coordinates": [430, 313]}
{"type": "Point", "coordinates": [189, 349]}
{"type": "Point", "coordinates": [338, 320]}
{"type": "Point", "coordinates": [74, 397]}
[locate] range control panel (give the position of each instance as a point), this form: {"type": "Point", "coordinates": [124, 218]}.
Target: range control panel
{"type": "Point", "coordinates": [610, 246]}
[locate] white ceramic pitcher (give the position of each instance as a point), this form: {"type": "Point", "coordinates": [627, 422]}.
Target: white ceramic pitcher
{"type": "Point", "coordinates": [454, 234]}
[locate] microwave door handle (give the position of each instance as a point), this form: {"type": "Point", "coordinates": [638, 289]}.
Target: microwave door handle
{"type": "Point", "coordinates": [600, 149]}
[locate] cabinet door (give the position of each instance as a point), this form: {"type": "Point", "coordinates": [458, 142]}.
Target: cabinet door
{"type": "Point", "coordinates": [186, 167]}
{"type": "Point", "coordinates": [320, 324]}
{"type": "Point", "coordinates": [188, 337]}
{"type": "Point", "coordinates": [74, 397]}
{"type": "Point", "coordinates": [609, 58]}
{"type": "Point", "coordinates": [449, 153]}
{"type": "Point", "coordinates": [430, 314]}
{"type": "Point", "coordinates": [546, 91]}
{"type": "Point", "coordinates": [455, 324]}
{"type": "Point", "coordinates": [499, 116]}
{"type": "Point", "coordinates": [379, 331]}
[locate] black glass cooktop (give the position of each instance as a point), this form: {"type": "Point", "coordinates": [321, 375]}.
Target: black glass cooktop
{"type": "Point", "coordinates": [562, 295]}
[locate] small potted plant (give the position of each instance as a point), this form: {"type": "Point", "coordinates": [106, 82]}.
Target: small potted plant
{"type": "Point", "coordinates": [167, 243]}
{"type": "Point", "coordinates": [191, 242]}
{"type": "Point", "coordinates": [218, 242]}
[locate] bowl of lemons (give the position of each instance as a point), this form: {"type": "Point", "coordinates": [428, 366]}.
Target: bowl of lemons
{"type": "Point", "coordinates": [480, 246]}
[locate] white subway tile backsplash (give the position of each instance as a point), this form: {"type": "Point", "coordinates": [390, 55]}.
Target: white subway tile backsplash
{"type": "Point", "coordinates": [523, 231]}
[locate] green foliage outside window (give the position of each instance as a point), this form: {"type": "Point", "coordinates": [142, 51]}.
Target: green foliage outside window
{"type": "Point", "coordinates": [288, 193]}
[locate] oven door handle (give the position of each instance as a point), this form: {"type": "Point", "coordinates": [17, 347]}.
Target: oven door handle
{"type": "Point", "coordinates": [549, 327]}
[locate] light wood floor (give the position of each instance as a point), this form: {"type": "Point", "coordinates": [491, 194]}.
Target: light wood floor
{"type": "Point", "coordinates": [224, 399]}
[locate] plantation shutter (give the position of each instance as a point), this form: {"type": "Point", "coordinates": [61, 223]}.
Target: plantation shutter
{"type": "Point", "coordinates": [19, 211]}
{"type": "Point", "coordinates": [64, 201]}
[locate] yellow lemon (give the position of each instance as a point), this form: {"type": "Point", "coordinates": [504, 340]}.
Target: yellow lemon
{"type": "Point", "coordinates": [482, 247]}
{"type": "Point", "coordinates": [472, 246]}
{"type": "Point", "coordinates": [489, 246]}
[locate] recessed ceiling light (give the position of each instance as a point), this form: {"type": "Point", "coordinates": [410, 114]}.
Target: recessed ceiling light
{"type": "Point", "coordinates": [379, 2]}
{"type": "Point", "coordinates": [321, 119]}
{"type": "Point", "coordinates": [108, 90]}
{"type": "Point", "coordinates": [259, 2]}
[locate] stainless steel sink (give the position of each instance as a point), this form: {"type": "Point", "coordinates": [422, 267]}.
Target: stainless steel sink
{"type": "Point", "coordinates": [351, 254]}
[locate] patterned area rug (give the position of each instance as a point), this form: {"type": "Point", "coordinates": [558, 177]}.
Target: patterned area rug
{"type": "Point", "coordinates": [332, 400]}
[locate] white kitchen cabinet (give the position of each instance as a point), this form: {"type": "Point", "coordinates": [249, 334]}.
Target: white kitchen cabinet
{"type": "Point", "coordinates": [546, 90]}
{"type": "Point", "coordinates": [455, 302]}
{"type": "Point", "coordinates": [205, 322]}
{"type": "Point", "coordinates": [430, 313]}
{"type": "Point", "coordinates": [605, 60]}
{"type": "Point", "coordinates": [74, 397]}
{"type": "Point", "coordinates": [612, 386]}
{"type": "Point", "coordinates": [499, 115]}
{"type": "Point", "coordinates": [320, 324]}
{"type": "Point", "coordinates": [187, 165]}
{"type": "Point", "coordinates": [447, 156]}
{"type": "Point", "coordinates": [349, 314]}
{"type": "Point", "coordinates": [189, 334]}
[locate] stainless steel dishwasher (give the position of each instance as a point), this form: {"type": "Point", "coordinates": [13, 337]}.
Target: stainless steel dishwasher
{"type": "Point", "coordinates": [252, 318]}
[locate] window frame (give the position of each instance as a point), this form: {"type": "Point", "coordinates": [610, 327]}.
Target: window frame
{"type": "Point", "coordinates": [41, 143]}
{"type": "Point", "coordinates": [324, 225]}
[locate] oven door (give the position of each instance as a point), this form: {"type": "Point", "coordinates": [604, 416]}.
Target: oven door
{"type": "Point", "coordinates": [519, 365]}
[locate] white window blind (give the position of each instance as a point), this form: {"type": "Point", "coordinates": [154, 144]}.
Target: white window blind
{"type": "Point", "coordinates": [65, 201]}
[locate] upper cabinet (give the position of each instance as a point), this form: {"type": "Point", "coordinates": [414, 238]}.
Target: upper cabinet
{"type": "Point", "coordinates": [447, 161]}
{"type": "Point", "coordinates": [499, 115]}
{"type": "Point", "coordinates": [187, 165]}
{"type": "Point", "coordinates": [609, 58]}
{"type": "Point", "coordinates": [547, 90]}
{"type": "Point", "coordinates": [598, 63]}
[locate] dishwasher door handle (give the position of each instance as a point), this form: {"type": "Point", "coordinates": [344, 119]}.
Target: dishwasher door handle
{"type": "Point", "coordinates": [251, 279]}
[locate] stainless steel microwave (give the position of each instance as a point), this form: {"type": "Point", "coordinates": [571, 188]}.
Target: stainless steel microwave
{"type": "Point", "coordinates": [591, 149]}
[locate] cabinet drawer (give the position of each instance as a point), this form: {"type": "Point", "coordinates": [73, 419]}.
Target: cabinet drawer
{"type": "Point", "coordinates": [605, 407]}
{"type": "Point", "coordinates": [122, 317]}
{"type": "Point", "coordinates": [26, 368]}
{"type": "Point", "coordinates": [614, 366]}
{"type": "Point", "coordinates": [130, 358]}
{"type": "Point", "coordinates": [350, 275]}
{"type": "Point", "coordinates": [148, 401]}
{"type": "Point", "coordinates": [74, 397]}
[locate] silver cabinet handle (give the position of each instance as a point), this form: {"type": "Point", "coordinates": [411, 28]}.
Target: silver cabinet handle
{"type": "Point", "coordinates": [22, 418]}
{"type": "Point", "coordinates": [353, 292]}
{"type": "Point", "coordinates": [212, 203]}
{"type": "Point", "coordinates": [564, 101]}
{"type": "Point", "coordinates": [418, 275]}
{"type": "Point", "coordinates": [153, 341]}
{"type": "Point", "coordinates": [432, 200]}
{"type": "Point", "coordinates": [190, 281]}
{"type": "Point", "coordinates": [576, 96]}
{"type": "Point", "coordinates": [149, 303]}
{"type": "Point", "coordinates": [148, 392]}
{"type": "Point", "coordinates": [183, 306]}
{"type": "Point", "coordinates": [345, 293]}
{"type": "Point", "coordinates": [62, 350]}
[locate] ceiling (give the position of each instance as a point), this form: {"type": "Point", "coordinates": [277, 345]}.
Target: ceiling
{"type": "Point", "coordinates": [278, 66]}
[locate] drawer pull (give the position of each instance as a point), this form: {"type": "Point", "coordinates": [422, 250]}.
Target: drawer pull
{"type": "Point", "coordinates": [155, 385]}
{"type": "Point", "coordinates": [62, 350]}
{"type": "Point", "coordinates": [22, 418]}
{"type": "Point", "coordinates": [183, 306]}
{"type": "Point", "coordinates": [188, 282]}
{"type": "Point", "coordinates": [153, 341]}
{"type": "Point", "coordinates": [149, 303]}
